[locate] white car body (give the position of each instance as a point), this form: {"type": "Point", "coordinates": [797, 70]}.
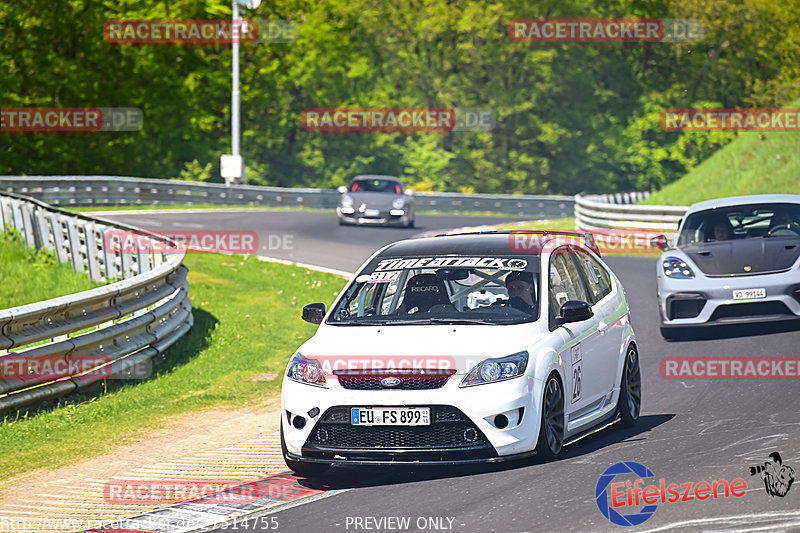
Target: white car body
{"type": "Point", "coordinates": [588, 358]}
{"type": "Point", "coordinates": [744, 279]}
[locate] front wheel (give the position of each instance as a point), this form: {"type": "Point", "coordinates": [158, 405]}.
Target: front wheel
{"type": "Point", "coordinates": [298, 467]}
{"type": "Point", "coordinates": [551, 430]}
{"type": "Point", "coordinates": [630, 390]}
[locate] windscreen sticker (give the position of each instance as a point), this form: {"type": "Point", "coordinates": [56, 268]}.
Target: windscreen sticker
{"type": "Point", "coordinates": [430, 262]}
{"type": "Point", "coordinates": [378, 277]}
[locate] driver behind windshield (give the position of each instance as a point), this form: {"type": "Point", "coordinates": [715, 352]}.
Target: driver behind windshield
{"type": "Point", "coordinates": [521, 292]}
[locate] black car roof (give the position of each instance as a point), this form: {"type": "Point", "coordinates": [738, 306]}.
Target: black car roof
{"type": "Point", "coordinates": [485, 244]}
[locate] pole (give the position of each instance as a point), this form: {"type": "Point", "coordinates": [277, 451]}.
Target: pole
{"type": "Point", "coordinates": [235, 88]}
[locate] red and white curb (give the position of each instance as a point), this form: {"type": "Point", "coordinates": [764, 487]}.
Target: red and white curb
{"type": "Point", "coordinates": [196, 515]}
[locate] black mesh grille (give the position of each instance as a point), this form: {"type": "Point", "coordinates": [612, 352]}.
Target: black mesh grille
{"type": "Point", "coordinates": [750, 309]}
{"type": "Point", "coordinates": [449, 428]}
{"type": "Point", "coordinates": [685, 306]}
{"type": "Point", "coordinates": [361, 380]}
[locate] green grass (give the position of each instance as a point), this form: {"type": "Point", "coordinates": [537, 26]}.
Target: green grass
{"type": "Point", "coordinates": [557, 224]}
{"type": "Point", "coordinates": [247, 322]}
{"type": "Point", "coordinates": [93, 209]}
{"type": "Point", "coordinates": [28, 276]}
{"type": "Point", "coordinates": [752, 164]}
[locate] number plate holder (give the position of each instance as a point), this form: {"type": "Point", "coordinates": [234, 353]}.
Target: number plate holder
{"type": "Point", "coordinates": [390, 416]}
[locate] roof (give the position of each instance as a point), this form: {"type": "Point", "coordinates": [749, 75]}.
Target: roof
{"type": "Point", "coordinates": [376, 177]}
{"type": "Point", "coordinates": [744, 200]}
{"type": "Point", "coordinates": [485, 244]}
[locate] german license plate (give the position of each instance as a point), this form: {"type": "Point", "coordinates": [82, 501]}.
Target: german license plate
{"type": "Point", "coordinates": [390, 416]}
{"type": "Point", "coordinates": [372, 213]}
{"type": "Point", "coordinates": [749, 294]}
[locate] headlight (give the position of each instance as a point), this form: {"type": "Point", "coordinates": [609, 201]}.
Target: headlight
{"type": "Point", "coordinates": [493, 370]}
{"type": "Point", "coordinates": [307, 371]}
{"type": "Point", "coordinates": [675, 267]}
{"type": "Point", "coordinates": [347, 200]}
{"type": "Point", "coordinates": [398, 203]}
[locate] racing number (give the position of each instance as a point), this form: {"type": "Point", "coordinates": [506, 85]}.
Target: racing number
{"type": "Point", "coordinates": [576, 382]}
{"type": "Point", "coordinates": [576, 358]}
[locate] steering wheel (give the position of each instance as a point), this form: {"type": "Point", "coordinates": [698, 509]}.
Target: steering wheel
{"type": "Point", "coordinates": [790, 230]}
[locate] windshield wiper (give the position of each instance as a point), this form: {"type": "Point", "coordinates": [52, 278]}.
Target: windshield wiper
{"type": "Point", "coordinates": [358, 322]}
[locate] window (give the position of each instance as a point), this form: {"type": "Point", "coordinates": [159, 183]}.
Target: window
{"type": "Point", "coordinates": [597, 278]}
{"type": "Point", "coordinates": [565, 283]}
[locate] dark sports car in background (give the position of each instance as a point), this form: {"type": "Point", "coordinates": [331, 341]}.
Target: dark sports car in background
{"type": "Point", "coordinates": [734, 260]}
{"type": "Point", "coordinates": [376, 200]}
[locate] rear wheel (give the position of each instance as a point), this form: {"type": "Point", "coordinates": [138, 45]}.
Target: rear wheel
{"type": "Point", "coordinates": [630, 390]}
{"type": "Point", "coordinates": [551, 430]}
{"type": "Point", "coordinates": [299, 467]}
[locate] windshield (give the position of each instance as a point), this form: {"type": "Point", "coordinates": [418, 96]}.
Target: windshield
{"type": "Point", "coordinates": [451, 290]}
{"type": "Point", "coordinates": [741, 222]}
{"type": "Point", "coordinates": [388, 186]}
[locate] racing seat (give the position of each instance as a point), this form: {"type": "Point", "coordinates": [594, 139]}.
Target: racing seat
{"type": "Point", "coordinates": [425, 291]}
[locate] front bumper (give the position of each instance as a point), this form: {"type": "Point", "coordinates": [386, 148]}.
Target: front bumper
{"type": "Point", "coordinates": [709, 301]}
{"type": "Point", "coordinates": [463, 427]}
{"type": "Point", "coordinates": [382, 218]}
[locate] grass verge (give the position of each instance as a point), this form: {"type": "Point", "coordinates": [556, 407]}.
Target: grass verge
{"type": "Point", "coordinates": [28, 276]}
{"type": "Point", "coordinates": [247, 323]}
{"type": "Point", "coordinates": [755, 163]}
{"type": "Point", "coordinates": [213, 207]}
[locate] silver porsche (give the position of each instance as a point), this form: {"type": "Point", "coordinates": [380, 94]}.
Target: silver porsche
{"type": "Point", "coordinates": [733, 261]}
{"type": "Point", "coordinates": [376, 200]}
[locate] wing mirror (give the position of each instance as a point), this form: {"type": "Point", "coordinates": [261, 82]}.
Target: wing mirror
{"type": "Point", "coordinates": [660, 242]}
{"type": "Point", "coordinates": [314, 313]}
{"type": "Point", "coordinates": [342, 189]}
{"type": "Point", "coordinates": [409, 192]}
{"type": "Point", "coordinates": [574, 311]}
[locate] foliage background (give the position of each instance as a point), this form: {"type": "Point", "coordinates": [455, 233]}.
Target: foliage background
{"type": "Point", "coordinates": [571, 116]}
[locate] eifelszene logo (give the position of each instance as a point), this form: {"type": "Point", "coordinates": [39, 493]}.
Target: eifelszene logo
{"type": "Point", "coordinates": [628, 494]}
{"type": "Point", "coordinates": [777, 477]}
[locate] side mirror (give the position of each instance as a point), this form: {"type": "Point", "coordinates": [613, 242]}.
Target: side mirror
{"type": "Point", "coordinates": [409, 192]}
{"type": "Point", "coordinates": [660, 242]}
{"type": "Point", "coordinates": [342, 189]}
{"type": "Point", "coordinates": [314, 313]}
{"type": "Point", "coordinates": [574, 311]}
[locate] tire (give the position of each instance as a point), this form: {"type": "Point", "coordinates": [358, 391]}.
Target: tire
{"type": "Point", "coordinates": [630, 389]}
{"type": "Point", "coordinates": [551, 429]}
{"type": "Point", "coordinates": [410, 223]}
{"type": "Point", "coordinates": [302, 468]}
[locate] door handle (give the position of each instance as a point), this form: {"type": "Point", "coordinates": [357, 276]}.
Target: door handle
{"type": "Point", "coordinates": [602, 326]}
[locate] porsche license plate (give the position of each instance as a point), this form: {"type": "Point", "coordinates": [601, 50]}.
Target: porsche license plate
{"type": "Point", "coordinates": [390, 416]}
{"type": "Point", "coordinates": [749, 294]}
{"type": "Point", "coordinates": [372, 213]}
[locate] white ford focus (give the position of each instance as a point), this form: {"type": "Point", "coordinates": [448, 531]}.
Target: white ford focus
{"type": "Point", "coordinates": [463, 348]}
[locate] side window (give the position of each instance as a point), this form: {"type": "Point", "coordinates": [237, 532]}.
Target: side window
{"type": "Point", "coordinates": [565, 282]}
{"type": "Point", "coordinates": [596, 276]}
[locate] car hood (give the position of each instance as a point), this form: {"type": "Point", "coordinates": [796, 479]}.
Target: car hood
{"type": "Point", "coordinates": [373, 200]}
{"type": "Point", "coordinates": [744, 257]}
{"type": "Point", "coordinates": [439, 346]}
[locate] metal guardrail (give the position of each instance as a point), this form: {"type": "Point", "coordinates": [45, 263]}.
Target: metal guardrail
{"type": "Point", "coordinates": [115, 190]}
{"type": "Point", "coordinates": [617, 212]}
{"type": "Point", "coordinates": [124, 325]}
